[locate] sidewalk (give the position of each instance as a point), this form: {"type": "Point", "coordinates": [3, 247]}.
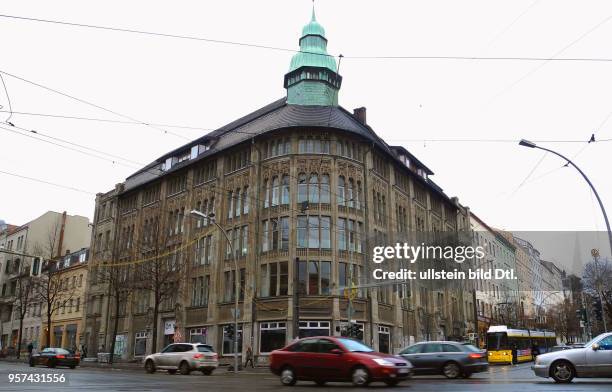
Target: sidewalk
{"type": "Point", "coordinates": [138, 366]}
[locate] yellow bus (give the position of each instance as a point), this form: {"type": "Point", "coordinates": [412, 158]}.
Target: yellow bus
{"type": "Point", "coordinates": [501, 340]}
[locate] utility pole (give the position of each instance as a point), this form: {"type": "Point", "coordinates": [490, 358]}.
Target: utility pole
{"type": "Point", "coordinates": [296, 299]}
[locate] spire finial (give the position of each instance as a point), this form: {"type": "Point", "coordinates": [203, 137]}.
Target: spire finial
{"type": "Point", "coordinates": [313, 11]}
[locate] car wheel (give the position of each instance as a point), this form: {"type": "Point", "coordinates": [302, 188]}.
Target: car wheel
{"type": "Point", "coordinates": [360, 376]}
{"type": "Point", "coordinates": [287, 376]}
{"type": "Point", "coordinates": [562, 372]}
{"type": "Point", "coordinates": [150, 366]}
{"type": "Point", "coordinates": [451, 370]}
{"type": "Point", "coordinates": [320, 383]}
{"type": "Point", "coordinates": [171, 371]}
{"type": "Point", "coordinates": [207, 372]}
{"type": "Point", "coordinates": [392, 383]}
{"type": "Point", "coordinates": [184, 368]}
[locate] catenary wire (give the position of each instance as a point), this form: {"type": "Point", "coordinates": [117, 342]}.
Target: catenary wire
{"type": "Point", "coordinates": [83, 101]}
{"type": "Point", "coordinates": [45, 182]}
{"type": "Point", "coordinates": [276, 48]}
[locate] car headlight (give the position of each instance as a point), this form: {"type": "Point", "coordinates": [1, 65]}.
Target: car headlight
{"type": "Point", "coordinates": [383, 362]}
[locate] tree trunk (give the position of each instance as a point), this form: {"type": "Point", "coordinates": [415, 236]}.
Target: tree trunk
{"type": "Point", "coordinates": [115, 327]}
{"type": "Point", "coordinates": [154, 329]}
{"type": "Point", "coordinates": [20, 337]}
{"type": "Point", "coordinates": [48, 333]}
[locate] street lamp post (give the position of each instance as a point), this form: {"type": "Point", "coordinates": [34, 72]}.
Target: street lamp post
{"type": "Point", "coordinates": [211, 218]}
{"type": "Point", "coordinates": [527, 143]}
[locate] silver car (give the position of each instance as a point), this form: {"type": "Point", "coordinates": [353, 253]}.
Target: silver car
{"type": "Point", "coordinates": [183, 357]}
{"type": "Point", "coordinates": [592, 360]}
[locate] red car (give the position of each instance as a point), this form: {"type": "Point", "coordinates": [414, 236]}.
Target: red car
{"type": "Point", "coordinates": [326, 358]}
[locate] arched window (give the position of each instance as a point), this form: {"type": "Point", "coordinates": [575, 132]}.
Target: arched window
{"type": "Point", "coordinates": [350, 194]}
{"type": "Point", "coordinates": [275, 191]}
{"type": "Point", "coordinates": [267, 194]}
{"type": "Point", "coordinates": [313, 188]}
{"type": "Point", "coordinates": [238, 202]}
{"type": "Point", "coordinates": [245, 200]}
{"type": "Point", "coordinates": [285, 189]}
{"type": "Point", "coordinates": [302, 188]}
{"type": "Point", "coordinates": [358, 196]}
{"type": "Point", "coordinates": [324, 189]}
{"type": "Point", "coordinates": [341, 195]}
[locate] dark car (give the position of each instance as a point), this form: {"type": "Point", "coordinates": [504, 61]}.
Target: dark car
{"type": "Point", "coordinates": [53, 356]}
{"type": "Point", "coordinates": [326, 358]}
{"type": "Point", "coordinates": [452, 359]}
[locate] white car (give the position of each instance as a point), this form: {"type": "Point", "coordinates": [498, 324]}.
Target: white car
{"type": "Point", "coordinates": [593, 360]}
{"type": "Point", "coordinates": [183, 357]}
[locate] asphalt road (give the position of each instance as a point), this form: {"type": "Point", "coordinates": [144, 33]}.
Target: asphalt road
{"type": "Point", "coordinates": [498, 379]}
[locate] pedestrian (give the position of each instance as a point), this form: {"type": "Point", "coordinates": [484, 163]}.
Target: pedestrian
{"type": "Point", "coordinates": [30, 349]}
{"type": "Point", "coordinates": [249, 358]}
{"type": "Point", "coordinates": [514, 354]}
{"type": "Point", "coordinates": [535, 350]}
{"type": "Point", "coordinates": [84, 351]}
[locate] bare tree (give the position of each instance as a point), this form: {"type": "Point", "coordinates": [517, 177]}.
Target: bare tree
{"type": "Point", "coordinates": [50, 287]}
{"type": "Point", "coordinates": [23, 300]}
{"type": "Point", "coordinates": [597, 281]}
{"type": "Point", "coordinates": [163, 271]}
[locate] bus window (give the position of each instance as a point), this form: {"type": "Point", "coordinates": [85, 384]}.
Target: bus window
{"type": "Point", "coordinates": [497, 341]}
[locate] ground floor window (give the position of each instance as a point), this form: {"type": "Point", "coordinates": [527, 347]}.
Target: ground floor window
{"type": "Point", "coordinates": [356, 332]}
{"type": "Point", "coordinates": [384, 339]}
{"type": "Point", "coordinates": [71, 332]}
{"type": "Point", "coordinates": [140, 343]}
{"type": "Point", "coordinates": [314, 328]}
{"type": "Point", "coordinates": [58, 332]}
{"type": "Point", "coordinates": [228, 341]}
{"type": "Point", "coordinates": [197, 335]}
{"type": "Point", "coordinates": [272, 336]}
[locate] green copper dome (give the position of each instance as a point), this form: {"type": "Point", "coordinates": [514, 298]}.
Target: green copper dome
{"type": "Point", "coordinates": [313, 28]}
{"type": "Point", "coordinates": [313, 48]}
{"type": "Point", "coordinates": [313, 78]}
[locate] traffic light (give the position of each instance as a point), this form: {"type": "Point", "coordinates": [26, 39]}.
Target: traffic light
{"type": "Point", "coordinates": [597, 309]}
{"type": "Point", "coordinates": [354, 331]}
{"type": "Point", "coordinates": [229, 331]}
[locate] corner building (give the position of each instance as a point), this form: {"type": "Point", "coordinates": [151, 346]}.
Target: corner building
{"type": "Point", "coordinates": [304, 190]}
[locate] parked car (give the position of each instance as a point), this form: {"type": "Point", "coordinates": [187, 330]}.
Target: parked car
{"type": "Point", "coordinates": [326, 358]}
{"type": "Point", "coordinates": [452, 359]}
{"type": "Point", "coordinates": [183, 357]}
{"type": "Point", "coordinates": [55, 356]}
{"type": "Point", "coordinates": [592, 360]}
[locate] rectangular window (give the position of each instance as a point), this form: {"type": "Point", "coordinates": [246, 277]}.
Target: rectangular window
{"type": "Point", "coordinates": [313, 277]}
{"type": "Point", "coordinates": [313, 232]}
{"type": "Point", "coordinates": [264, 236]}
{"type": "Point", "coordinates": [325, 232]}
{"type": "Point", "coordinates": [302, 277]}
{"type": "Point", "coordinates": [273, 335]}
{"type": "Point", "coordinates": [197, 335]}
{"type": "Point", "coordinates": [273, 278]}
{"type": "Point", "coordinates": [325, 277]}
{"type": "Point", "coordinates": [284, 278]}
{"type": "Point", "coordinates": [284, 233]}
{"type": "Point", "coordinates": [228, 344]}
{"type": "Point", "coordinates": [302, 230]}
{"type": "Point", "coordinates": [341, 233]}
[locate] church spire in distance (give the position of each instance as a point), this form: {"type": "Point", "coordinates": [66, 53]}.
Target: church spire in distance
{"type": "Point", "coordinates": [313, 77]}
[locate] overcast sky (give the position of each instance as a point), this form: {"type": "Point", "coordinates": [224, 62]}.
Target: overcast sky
{"type": "Point", "coordinates": [200, 84]}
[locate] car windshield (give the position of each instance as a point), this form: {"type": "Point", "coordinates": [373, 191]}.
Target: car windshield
{"type": "Point", "coordinates": [594, 340]}
{"type": "Point", "coordinates": [204, 349]}
{"type": "Point", "coordinates": [355, 346]}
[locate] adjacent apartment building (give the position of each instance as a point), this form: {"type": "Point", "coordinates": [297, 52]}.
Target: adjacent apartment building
{"type": "Point", "coordinates": [28, 250]}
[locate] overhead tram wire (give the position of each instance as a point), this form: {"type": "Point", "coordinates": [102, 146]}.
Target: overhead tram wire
{"type": "Point", "coordinates": [104, 120]}
{"type": "Point", "coordinates": [31, 135]}
{"type": "Point", "coordinates": [37, 132]}
{"type": "Point", "coordinates": [46, 182]}
{"type": "Point", "coordinates": [83, 101]}
{"type": "Point", "coordinates": [277, 48]}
